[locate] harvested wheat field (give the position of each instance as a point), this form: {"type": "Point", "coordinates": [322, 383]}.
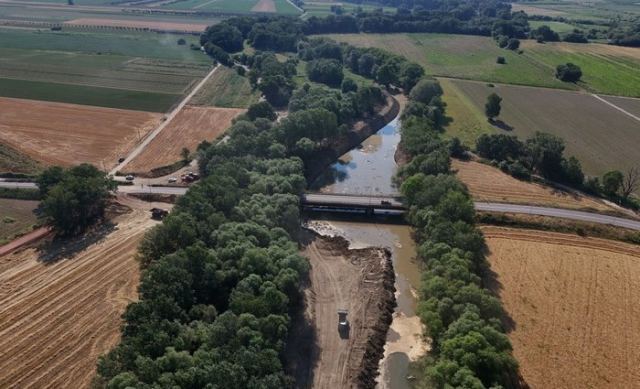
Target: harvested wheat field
{"type": "Point", "coordinates": [60, 310]}
{"type": "Point", "coordinates": [575, 306]}
{"type": "Point", "coordinates": [190, 127]}
{"type": "Point", "coordinates": [69, 134]}
{"type": "Point", "coordinates": [264, 6]}
{"type": "Point", "coordinates": [487, 183]}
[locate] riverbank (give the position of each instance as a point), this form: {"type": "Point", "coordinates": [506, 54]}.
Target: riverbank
{"type": "Point", "coordinates": [360, 132]}
{"type": "Point", "coordinates": [360, 281]}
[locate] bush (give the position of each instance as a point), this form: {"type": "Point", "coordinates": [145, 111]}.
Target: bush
{"type": "Point", "coordinates": [569, 72]}
{"type": "Point", "coordinates": [261, 109]}
{"type": "Point", "coordinates": [425, 90]}
{"type": "Point", "coordinates": [181, 42]}
{"type": "Point", "coordinates": [325, 71]}
{"type": "Point", "coordinates": [513, 44]}
{"type": "Point", "coordinates": [575, 37]}
{"type": "Point", "coordinates": [544, 33]}
{"type": "Point", "coordinates": [501, 60]}
{"type": "Point", "coordinates": [348, 85]}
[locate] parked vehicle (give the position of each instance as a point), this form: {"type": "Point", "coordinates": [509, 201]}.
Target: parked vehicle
{"type": "Point", "coordinates": [172, 180]}
{"type": "Point", "coordinates": [129, 177]}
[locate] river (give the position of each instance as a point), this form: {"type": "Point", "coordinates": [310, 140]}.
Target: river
{"type": "Point", "coordinates": [369, 170]}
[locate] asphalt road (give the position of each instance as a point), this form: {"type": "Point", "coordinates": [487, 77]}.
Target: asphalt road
{"type": "Point", "coordinates": [366, 201]}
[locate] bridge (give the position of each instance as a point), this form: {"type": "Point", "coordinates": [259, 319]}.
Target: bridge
{"type": "Point", "coordinates": [360, 204]}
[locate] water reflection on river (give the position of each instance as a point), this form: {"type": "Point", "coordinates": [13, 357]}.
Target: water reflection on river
{"type": "Point", "coordinates": [369, 170]}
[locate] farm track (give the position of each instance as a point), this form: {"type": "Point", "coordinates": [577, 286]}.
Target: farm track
{"type": "Point", "coordinates": [57, 318]}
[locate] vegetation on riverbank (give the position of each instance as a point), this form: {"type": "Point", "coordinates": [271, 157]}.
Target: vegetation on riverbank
{"type": "Point", "coordinates": [462, 317]}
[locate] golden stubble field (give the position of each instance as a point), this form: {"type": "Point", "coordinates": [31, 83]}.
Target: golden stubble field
{"type": "Point", "coordinates": [69, 134]}
{"type": "Point", "coordinates": [57, 316]}
{"type": "Point", "coordinates": [188, 129]}
{"type": "Point", "coordinates": [487, 183]}
{"type": "Point", "coordinates": [575, 307]}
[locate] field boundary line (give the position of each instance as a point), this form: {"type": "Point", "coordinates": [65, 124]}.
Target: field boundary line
{"type": "Point", "coordinates": [138, 150]}
{"type": "Point", "coordinates": [616, 107]}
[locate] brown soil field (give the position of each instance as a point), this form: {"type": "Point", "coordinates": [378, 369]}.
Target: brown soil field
{"type": "Point", "coordinates": [60, 304]}
{"type": "Point", "coordinates": [487, 183]}
{"type": "Point", "coordinates": [573, 305]}
{"type": "Point", "coordinates": [360, 281]}
{"type": "Point", "coordinates": [16, 217]}
{"type": "Point", "coordinates": [68, 134]}
{"type": "Point", "coordinates": [190, 127]}
{"type": "Point", "coordinates": [600, 136]}
{"type": "Point", "coordinates": [629, 104]}
{"type": "Point", "coordinates": [264, 6]}
{"type": "Point", "coordinates": [162, 26]}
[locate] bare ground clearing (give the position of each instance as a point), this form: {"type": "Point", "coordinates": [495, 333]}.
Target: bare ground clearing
{"type": "Point", "coordinates": [162, 26]}
{"type": "Point", "coordinates": [59, 312]}
{"type": "Point", "coordinates": [487, 183]}
{"type": "Point", "coordinates": [574, 304]}
{"type": "Point", "coordinates": [361, 281]}
{"type": "Point", "coordinates": [264, 6]}
{"type": "Point", "coordinates": [190, 127]}
{"type": "Point", "coordinates": [69, 134]}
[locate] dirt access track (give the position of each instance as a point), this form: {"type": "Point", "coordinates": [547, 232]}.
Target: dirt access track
{"type": "Point", "coordinates": [189, 128]}
{"type": "Point", "coordinates": [59, 312]}
{"type": "Point", "coordinates": [69, 134]}
{"type": "Point", "coordinates": [574, 307]}
{"type": "Point", "coordinates": [360, 281]}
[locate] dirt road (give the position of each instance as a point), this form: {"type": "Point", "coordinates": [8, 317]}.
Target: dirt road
{"type": "Point", "coordinates": [59, 312]}
{"type": "Point", "coordinates": [360, 281]}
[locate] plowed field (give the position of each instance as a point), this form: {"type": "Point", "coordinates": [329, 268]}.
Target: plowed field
{"type": "Point", "coordinates": [575, 307]}
{"type": "Point", "coordinates": [68, 134]}
{"type": "Point", "coordinates": [487, 183]}
{"type": "Point", "coordinates": [190, 127]}
{"type": "Point", "coordinates": [57, 317]}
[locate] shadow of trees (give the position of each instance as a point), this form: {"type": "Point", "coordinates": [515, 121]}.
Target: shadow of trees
{"type": "Point", "coordinates": [66, 247]}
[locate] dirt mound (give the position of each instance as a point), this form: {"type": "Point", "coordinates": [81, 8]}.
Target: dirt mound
{"type": "Point", "coordinates": [573, 306]}
{"type": "Point", "coordinates": [360, 281]}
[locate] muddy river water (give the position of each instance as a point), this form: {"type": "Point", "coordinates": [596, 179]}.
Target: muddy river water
{"type": "Point", "coordinates": [368, 170]}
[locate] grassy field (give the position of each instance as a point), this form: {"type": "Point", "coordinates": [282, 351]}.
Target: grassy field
{"type": "Point", "coordinates": [606, 69]}
{"type": "Point", "coordinates": [558, 27]}
{"type": "Point", "coordinates": [140, 71]}
{"type": "Point", "coordinates": [16, 217]}
{"type": "Point", "coordinates": [461, 56]}
{"type": "Point", "coordinates": [226, 89]}
{"type": "Point", "coordinates": [602, 137]}
{"type": "Point", "coordinates": [231, 6]}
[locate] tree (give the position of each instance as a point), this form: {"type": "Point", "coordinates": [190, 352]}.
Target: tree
{"type": "Point", "coordinates": [545, 154]}
{"type": "Point", "coordinates": [261, 109]}
{"type": "Point", "coordinates": [387, 73]}
{"type": "Point", "coordinates": [410, 74]}
{"type": "Point", "coordinates": [492, 107]}
{"type": "Point", "coordinates": [185, 154]}
{"type": "Point", "coordinates": [326, 71]}
{"type": "Point", "coordinates": [223, 35]}
{"type": "Point", "coordinates": [569, 72]}
{"type": "Point", "coordinates": [612, 182]}
{"type": "Point", "coordinates": [348, 85]}
{"type": "Point", "coordinates": [631, 182]}
{"type": "Point", "coordinates": [513, 44]}
{"type": "Point", "coordinates": [501, 60]}
{"type": "Point", "coordinates": [544, 33]}
{"type": "Point", "coordinates": [425, 90]}
{"type": "Point", "coordinates": [77, 200]}
{"type": "Point", "coordinates": [182, 42]}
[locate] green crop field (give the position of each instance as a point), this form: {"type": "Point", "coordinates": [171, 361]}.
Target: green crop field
{"type": "Point", "coordinates": [558, 27]}
{"type": "Point", "coordinates": [16, 218]}
{"type": "Point", "coordinates": [600, 136]}
{"type": "Point", "coordinates": [461, 56]}
{"type": "Point", "coordinates": [226, 89]}
{"type": "Point", "coordinates": [606, 69]}
{"type": "Point", "coordinates": [144, 71]}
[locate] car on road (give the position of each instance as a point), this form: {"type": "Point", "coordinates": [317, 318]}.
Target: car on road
{"type": "Point", "coordinates": [129, 177]}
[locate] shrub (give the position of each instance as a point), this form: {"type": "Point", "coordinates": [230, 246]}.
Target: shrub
{"type": "Point", "coordinates": [569, 72]}
{"type": "Point", "coordinates": [501, 60]}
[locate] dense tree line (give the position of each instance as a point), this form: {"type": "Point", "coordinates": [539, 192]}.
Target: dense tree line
{"type": "Point", "coordinates": [463, 318]}
{"type": "Point", "coordinates": [625, 32]}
